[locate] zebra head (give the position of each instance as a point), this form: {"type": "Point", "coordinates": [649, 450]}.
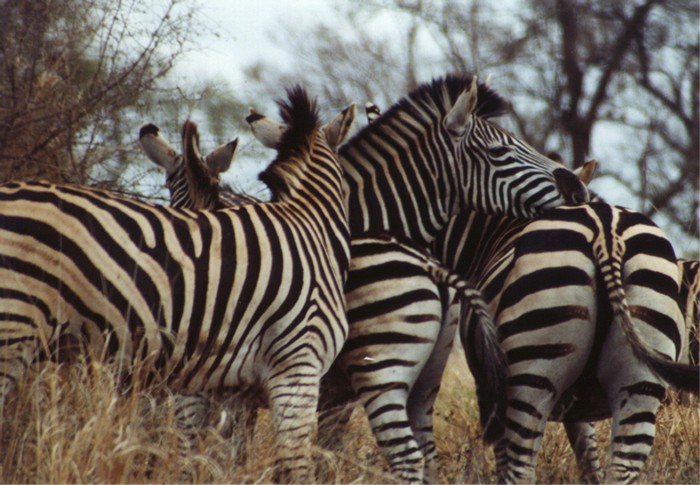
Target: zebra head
{"type": "Point", "coordinates": [520, 180]}
{"type": "Point", "coordinates": [301, 143]}
{"type": "Point", "coordinates": [160, 152]}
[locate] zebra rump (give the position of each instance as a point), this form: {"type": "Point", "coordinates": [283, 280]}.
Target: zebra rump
{"type": "Point", "coordinates": [576, 357]}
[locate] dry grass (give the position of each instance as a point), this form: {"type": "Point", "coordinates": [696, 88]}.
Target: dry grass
{"type": "Point", "coordinates": [73, 425]}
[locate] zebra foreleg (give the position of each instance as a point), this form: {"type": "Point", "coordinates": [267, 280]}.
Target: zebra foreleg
{"type": "Point", "coordinates": [581, 436]}
{"type": "Point", "coordinates": [335, 407]}
{"type": "Point", "coordinates": [24, 334]}
{"type": "Point", "coordinates": [234, 419]}
{"type": "Point", "coordinates": [293, 398]}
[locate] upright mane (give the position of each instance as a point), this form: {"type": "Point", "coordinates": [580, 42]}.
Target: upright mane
{"type": "Point", "coordinates": [300, 114]}
{"type": "Point", "coordinates": [439, 95]}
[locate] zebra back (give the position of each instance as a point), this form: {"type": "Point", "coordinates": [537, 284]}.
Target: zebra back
{"type": "Point", "coordinates": [588, 315]}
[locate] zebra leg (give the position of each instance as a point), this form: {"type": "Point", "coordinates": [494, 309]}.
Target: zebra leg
{"type": "Point", "coordinates": [422, 397]}
{"type": "Point", "coordinates": [534, 386]}
{"type": "Point", "coordinates": [235, 421]}
{"type": "Point", "coordinates": [192, 414]}
{"type": "Point", "coordinates": [382, 380]}
{"type": "Point", "coordinates": [633, 430]}
{"type": "Point", "coordinates": [525, 423]}
{"type": "Point", "coordinates": [293, 397]}
{"type": "Point", "coordinates": [634, 396]}
{"type": "Point", "coordinates": [23, 335]}
{"type": "Point", "coordinates": [581, 436]}
{"type": "Point", "coordinates": [386, 410]}
{"type": "Point", "coordinates": [335, 407]}
{"type": "Point", "coordinates": [383, 374]}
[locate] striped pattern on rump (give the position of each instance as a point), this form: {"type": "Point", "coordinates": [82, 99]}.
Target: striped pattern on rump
{"type": "Point", "coordinates": [580, 297]}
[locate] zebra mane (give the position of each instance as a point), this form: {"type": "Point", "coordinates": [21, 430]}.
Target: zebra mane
{"type": "Point", "coordinates": [440, 95]}
{"type": "Point", "coordinates": [300, 114]}
{"type": "Point", "coordinates": [443, 92]}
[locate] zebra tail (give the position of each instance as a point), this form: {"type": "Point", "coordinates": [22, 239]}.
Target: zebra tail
{"type": "Point", "coordinates": [487, 362]}
{"type": "Point", "coordinates": [684, 377]}
{"type": "Point", "coordinates": [482, 347]}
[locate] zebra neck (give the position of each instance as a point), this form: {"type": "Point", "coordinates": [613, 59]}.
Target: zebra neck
{"type": "Point", "coordinates": [383, 196]}
{"type": "Point", "coordinates": [176, 182]}
{"type": "Point", "coordinates": [314, 192]}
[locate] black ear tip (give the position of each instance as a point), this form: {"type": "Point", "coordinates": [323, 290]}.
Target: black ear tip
{"type": "Point", "coordinates": [253, 117]}
{"type": "Point", "coordinates": [148, 129]}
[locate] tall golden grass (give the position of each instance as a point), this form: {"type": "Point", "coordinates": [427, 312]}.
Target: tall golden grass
{"type": "Point", "coordinates": [75, 424]}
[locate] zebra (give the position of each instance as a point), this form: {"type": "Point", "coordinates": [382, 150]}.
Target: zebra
{"type": "Point", "coordinates": [180, 292]}
{"type": "Point", "coordinates": [395, 292]}
{"type": "Point", "coordinates": [488, 237]}
{"type": "Point", "coordinates": [542, 287]}
{"type": "Point", "coordinates": [435, 153]}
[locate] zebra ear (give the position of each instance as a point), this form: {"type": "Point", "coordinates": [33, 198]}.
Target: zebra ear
{"type": "Point", "coordinates": [190, 141]}
{"type": "Point", "coordinates": [337, 129]}
{"type": "Point", "coordinates": [157, 149]}
{"type": "Point", "coordinates": [219, 160]}
{"type": "Point", "coordinates": [268, 132]}
{"type": "Point", "coordinates": [585, 172]}
{"type": "Point", "coordinates": [458, 118]}
{"type": "Point", "coordinates": [203, 188]}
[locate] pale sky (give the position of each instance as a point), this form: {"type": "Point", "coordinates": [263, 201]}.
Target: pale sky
{"type": "Point", "coordinates": [239, 33]}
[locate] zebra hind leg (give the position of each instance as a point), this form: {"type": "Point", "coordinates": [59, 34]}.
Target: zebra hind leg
{"type": "Point", "coordinates": [422, 397]}
{"type": "Point", "coordinates": [391, 427]}
{"type": "Point", "coordinates": [581, 436]}
{"type": "Point", "coordinates": [633, 431]}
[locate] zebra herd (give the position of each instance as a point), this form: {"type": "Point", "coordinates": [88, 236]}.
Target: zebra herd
{"type": "Point", "coordinates": [353, 280]}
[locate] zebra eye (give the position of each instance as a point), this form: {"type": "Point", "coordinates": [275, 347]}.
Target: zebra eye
{"type": "Point", "coordinates": [499, 151]}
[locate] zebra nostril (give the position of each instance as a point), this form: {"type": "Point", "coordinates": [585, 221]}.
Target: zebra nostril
{"type": "Point", "coordinates": [570, 186]}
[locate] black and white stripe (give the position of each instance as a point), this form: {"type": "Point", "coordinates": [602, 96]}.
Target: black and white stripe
{"type": "Point", "coordinates": [434, 154]}
{"type": "Point", "coordinates": [396, 296]}
{"type": "Point", "coordinates": [579, 296]}
{"type": "Point", "coordinates": [213, 300]}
